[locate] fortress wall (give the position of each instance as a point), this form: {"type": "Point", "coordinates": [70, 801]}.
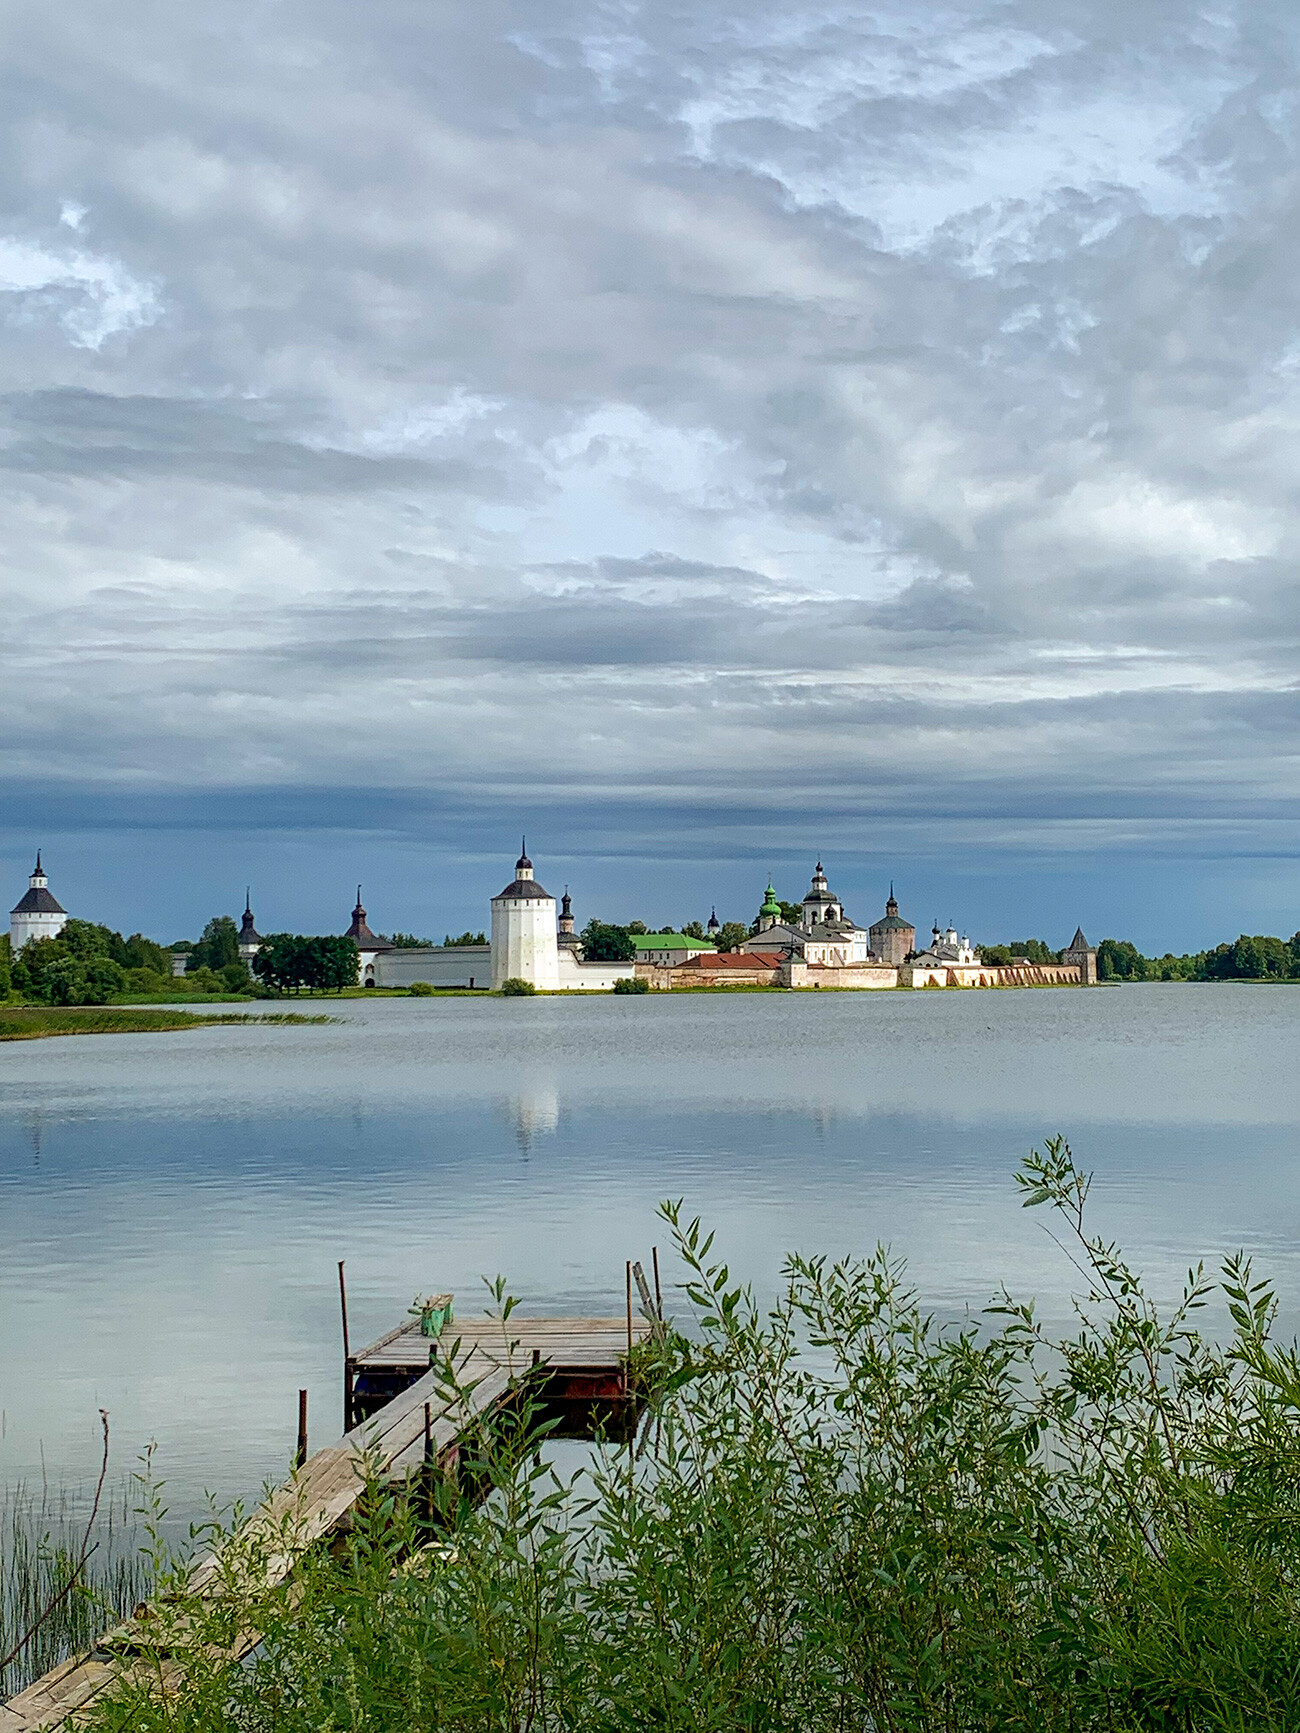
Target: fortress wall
{"type": "Point", "coordinates": [439, 965]}
{"type": "Point", "coordinates": [993, 975]}
{"type": "Point", "coordinates": [843, 977]}
{"type": "Point", "coordinates": [575, 977]}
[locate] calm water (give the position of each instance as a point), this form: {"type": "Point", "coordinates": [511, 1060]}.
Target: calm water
{"type": "Point", "coordinates": [172, 1207]}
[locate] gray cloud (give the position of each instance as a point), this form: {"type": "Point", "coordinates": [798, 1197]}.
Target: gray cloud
{"type": "Point", "coordinates": [841, 400]}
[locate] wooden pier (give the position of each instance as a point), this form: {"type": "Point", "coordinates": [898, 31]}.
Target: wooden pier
{"type": "Point", "coordinates": [401, 1419]}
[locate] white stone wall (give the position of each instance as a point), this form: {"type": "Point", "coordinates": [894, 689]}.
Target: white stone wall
{"type": "Point", "coordinates": [24, 928]}
{"type": "Point", "coordinates": [439, 965]}
{"type": "Point", "coordinates": [524, 942]}
{"type": "Point", "coordinates": [576, 977]}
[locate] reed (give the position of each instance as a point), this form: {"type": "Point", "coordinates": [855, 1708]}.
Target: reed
{"type": "Point", "coordinates": [41, 1535]}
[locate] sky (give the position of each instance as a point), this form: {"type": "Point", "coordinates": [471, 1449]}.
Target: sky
{"type": "Point", "coordinates": [703, 436]}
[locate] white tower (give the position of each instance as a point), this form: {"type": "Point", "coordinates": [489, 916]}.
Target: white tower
{"type": "Point", "coordinates": [38, 915]}
{"type": "Point", "coordinates": [523, 932]}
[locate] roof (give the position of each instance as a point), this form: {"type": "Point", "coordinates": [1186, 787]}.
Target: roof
{"type": "Point", "coordinates": [669, 942]}
{"type": "Point", "coordinates": [891, 924]}
{"type": "Point", "coordinates": [524, 891]}
{"type": "Point", "coordinates": [1078, 942]}
{"type": "Point", "coordinates": [38, 901]}
{"type": "Point", "coordinates": [736, 960]}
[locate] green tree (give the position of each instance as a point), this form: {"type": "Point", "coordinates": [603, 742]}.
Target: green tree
{"type": "Point", "coordinates": [279, 962]}
{"type": "Point", "coordinates": [142, 953]}
{"type": "Point", "coordinates": [731, 935]}
{"type": "Point", "coordinates": [1119, 960]}
{"type": "Point", "coordinates": [791, 913]}
{"type": "Point", "coordinates": [631, 984]}
{"type": "Point", "coordinates": [76, 968]}
{"type": "Point", "coordinates": [333, 963]}
{"type": "Point", "coordinates": [1250, 958]}
{"type": "Point", "coordinates": [407, 942]}
{"type": "Point", "coordinates": [602, 943]}
{"type": "Point", "coordinates": [6, 966]}
{"type": "Point", "coordinates": [288, 962]}
{"type": "Point", "coordinates": [694, 930]}
{"type": "Point", "coordinates": [466, 938]}
{"type": "Point", "coordinates": [218, 946]}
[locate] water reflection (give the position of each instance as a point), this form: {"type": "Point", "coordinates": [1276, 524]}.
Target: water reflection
{"type": "Point", "coordinates": [172, 1207]}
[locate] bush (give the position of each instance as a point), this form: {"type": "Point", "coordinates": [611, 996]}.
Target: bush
{"type": "Point", "coordinates": [147, 981]}
{"type": "Point", "coordinates": [235, 977]}
{"type": "Point", "coordinates": [421, 990]}
{"type": "Point", "coordinates": [842, 1515]}
{"type": "Point", "coordinates": [631, 984]}
{"type": "Point", "coordinates": [514, 987]}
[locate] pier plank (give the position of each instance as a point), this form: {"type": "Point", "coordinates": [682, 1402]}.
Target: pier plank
{"type": "Point", "coordinates": [321, 1494]}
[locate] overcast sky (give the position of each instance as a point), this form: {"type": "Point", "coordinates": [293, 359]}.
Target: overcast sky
{"type": "Point", "coordinates": [707, 435]}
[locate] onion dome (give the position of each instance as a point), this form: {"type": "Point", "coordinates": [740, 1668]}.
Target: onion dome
{"type": "Point", "coordinates": [770, 906]}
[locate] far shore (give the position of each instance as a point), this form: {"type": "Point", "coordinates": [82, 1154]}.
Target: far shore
{"type": "Point", "coordinates": [37, 1022]}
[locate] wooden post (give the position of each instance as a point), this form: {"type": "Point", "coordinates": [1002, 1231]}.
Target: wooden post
{"type": "Point", "coordinates": [627, 1374]}
{"type": "Point", "coordinates": [347, 1353]}
{"type": "Point", "coordinates": [301, 1455]}
{"type": "Point", "coordinates": [428, 1462]}
{"type": "Point", "coordinates": [659, 1296]}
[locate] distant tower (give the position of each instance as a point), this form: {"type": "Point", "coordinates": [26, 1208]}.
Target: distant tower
{"type": "Point", "coordinates": [524, 931]}
{"type": "Point", "coordinates": [713, 926]}
{"type": "Point", "coordinates": [892, 938]}
{"type": "Point", "coordinates": [250, 940]}
{"type": "Point", "coordinates": [821, 904]}
{"type": "Point", "coordinates": [567, 939]}
{"type": "Point", "coordinates": [1081, 953]}
{"type": "Point", "coordinates": [769, 912]}
{"type": "Point", "coordinates": [369, 945]}
{"type": "Point", "coordinates": [38, 915]}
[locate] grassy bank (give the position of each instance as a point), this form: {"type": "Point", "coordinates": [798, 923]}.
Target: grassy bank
{"type": "Point", "coordinates": [841, 1514]}
{"type": "Point", "coordinates": [33, 1022]}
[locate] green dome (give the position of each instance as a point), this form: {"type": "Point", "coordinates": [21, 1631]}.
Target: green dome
{"type": "Point", "coordinates": [770, 905]}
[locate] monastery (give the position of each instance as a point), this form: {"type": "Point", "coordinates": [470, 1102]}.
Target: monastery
{"type": "Point", "coordinates": [533, 939]}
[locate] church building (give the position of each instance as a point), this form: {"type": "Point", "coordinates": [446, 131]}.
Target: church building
{"type": "Point", "coordinates": [38, 915]}
{"type": "Point", "coordinates": [825, 934]}
{"type": "Point", "coordinates": [250, 940]}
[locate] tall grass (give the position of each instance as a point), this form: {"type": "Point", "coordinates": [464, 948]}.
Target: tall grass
{"type": "Point", "coordinates": [841, 1515]}
{"type": "Point", "coordinates": [32, 1022]}
{"type": "Point", "coordinates": [41, 1536]}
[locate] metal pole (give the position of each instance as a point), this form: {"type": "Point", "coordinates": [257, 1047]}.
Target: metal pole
{"type": "Point", "coordinates": [301, 1456]}
{"type": "Point", "coordinates": [659, 1297]}
{"type": "Point", "coordinates": [347, 1353]}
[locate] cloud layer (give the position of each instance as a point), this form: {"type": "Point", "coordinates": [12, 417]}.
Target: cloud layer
{"type": "Point", "coordinates": [889, 414]}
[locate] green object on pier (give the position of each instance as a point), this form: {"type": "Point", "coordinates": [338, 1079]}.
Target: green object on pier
{"type": "Point", "coordinates": [434, 1313]}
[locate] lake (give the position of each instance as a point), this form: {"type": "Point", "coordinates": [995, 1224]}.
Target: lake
{"type": "Point", "coordinates": [172, 1207]}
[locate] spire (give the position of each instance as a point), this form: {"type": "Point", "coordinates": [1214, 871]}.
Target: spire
{"type": "Point", "coordinates": [38, 863]}
{"type": "Point", "coordinates": [248, 903]}
{"type": "Point", "coordinates": [523, 864]}
{"type": "Point", "coordinates": [359, 910]}
{"type": "Point", "coordinates": [714, 925]}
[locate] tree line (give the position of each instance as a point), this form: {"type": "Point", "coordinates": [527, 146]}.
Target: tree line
{"type": "Point", "coordinates": [1257, 957]}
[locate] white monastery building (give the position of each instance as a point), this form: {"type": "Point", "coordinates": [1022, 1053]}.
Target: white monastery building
{"type": "Point", "coordinates": [39, 915]}
{"type": "Point", "coordinates": [532, 940]}
{"type": "Point", "coordinates": [525, 931]}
